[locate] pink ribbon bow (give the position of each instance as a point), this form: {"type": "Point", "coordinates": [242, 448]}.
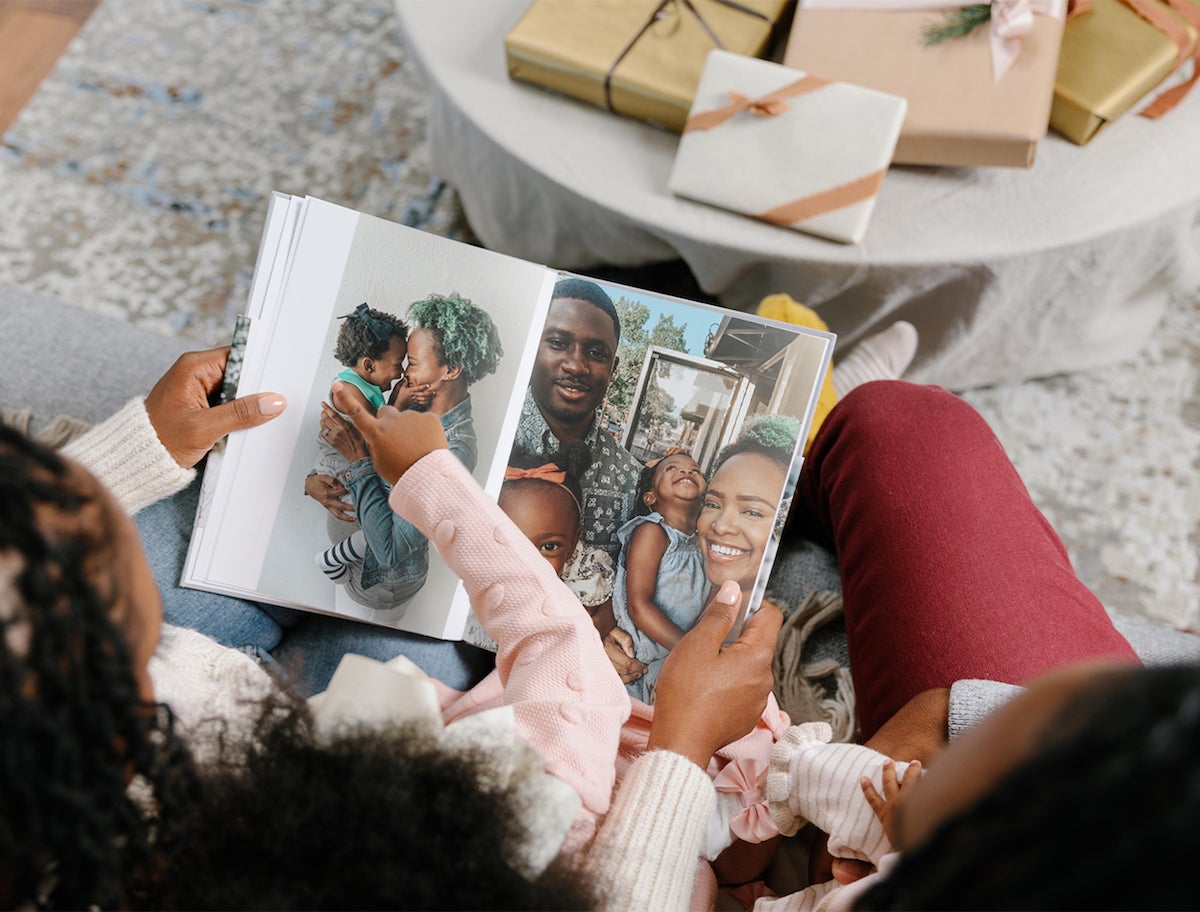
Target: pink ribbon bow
{"type": "Point", "coordinates": [548, 472]}
{"type": "Point", "coordinates": [746, 777]}
{"type": "Point", "coordinates": [1011, 21]}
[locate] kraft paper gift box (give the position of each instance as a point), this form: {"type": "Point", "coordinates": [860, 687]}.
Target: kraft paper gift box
{"type": "Point", "coordinates": [1112, 57]}
{"type": "Point", "coordinates": [791, 148]}
{"type": "Point", "coordinates": [640, 58]}
{"type": "Point", "coordinates": [964, 108]}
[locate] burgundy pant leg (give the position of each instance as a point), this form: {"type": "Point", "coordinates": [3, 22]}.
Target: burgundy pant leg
{"type": "Point", "coordinates": [948, 569]}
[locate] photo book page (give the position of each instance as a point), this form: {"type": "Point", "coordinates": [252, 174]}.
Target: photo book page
{"type": "Point", "coordinates": [648, 446]}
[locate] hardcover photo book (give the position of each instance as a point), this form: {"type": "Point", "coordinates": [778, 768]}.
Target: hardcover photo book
{"type": "Point", "coordinates": [588, 409]}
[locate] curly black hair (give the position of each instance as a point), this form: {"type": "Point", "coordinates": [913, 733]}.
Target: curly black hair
{"type": "Point", "coordinates": [464, 335]}
{"type": "Point", "coordinates": [372, 818]}
{"type": "Point", "coordinates": [75, 730]}
{"type": "Point", "coordinates": [1102, 816]}
{"type": "Point", "coordinates": [369, 337]}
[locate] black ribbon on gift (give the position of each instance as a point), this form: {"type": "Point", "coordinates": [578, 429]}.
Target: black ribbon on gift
{"type": "Point", "coordinates": [660, 13]}
{"type": "Point", "coordinates": [362, 313]}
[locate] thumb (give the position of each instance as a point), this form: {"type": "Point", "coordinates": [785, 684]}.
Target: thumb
{"type": "Point", "coordinates": [353, 404]}
{"type": "Point", "coordinates": [722, 611]}
{"type": "Point", "coordinates": [246, 412]}
{"type": "Point", "coordinates": [762, 630]}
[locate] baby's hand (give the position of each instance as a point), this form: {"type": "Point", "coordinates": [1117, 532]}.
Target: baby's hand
{"type": "Point", "coordinates": [395, 439]}
{"type": "Point", "coordinates": [895, 791]}
{"type": "Point", "coordinates": [618, 646]}
{"type": "Point", "coordinates": [406, 397]}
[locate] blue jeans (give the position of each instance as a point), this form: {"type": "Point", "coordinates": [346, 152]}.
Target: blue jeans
{"type": "Point", "coordinates": [308, 646]}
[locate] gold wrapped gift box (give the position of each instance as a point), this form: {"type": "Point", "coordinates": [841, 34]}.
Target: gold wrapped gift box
{"type": "Point", "coordinates": [957, 113]}
{"type": "Point", "coordinates": [1111, 58]}
{"type": "Point", "coordinates": [640, 58]}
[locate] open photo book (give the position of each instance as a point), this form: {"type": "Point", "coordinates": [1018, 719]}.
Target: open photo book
{"type": "Point", "coordinates": [589, 410]}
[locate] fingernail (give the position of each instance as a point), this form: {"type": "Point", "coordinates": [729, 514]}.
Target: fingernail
{"type": "Point", "coordinates": [729, 592]}
{"type": "Point", "coordinates": [271, 403]}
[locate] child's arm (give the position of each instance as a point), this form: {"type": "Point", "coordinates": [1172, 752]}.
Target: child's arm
{"type": "Point", "coordinates": [643, 554]}
{"type": "Point", "coordinates": [810, 780]}
{"type": "Point", "coordinates": [566, 700]}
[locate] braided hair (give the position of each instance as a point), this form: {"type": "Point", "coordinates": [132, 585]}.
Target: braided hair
{"type": "Point", "coordinates": [1103, 816]}
{"type": "Point", "coordinates": [75, 730]}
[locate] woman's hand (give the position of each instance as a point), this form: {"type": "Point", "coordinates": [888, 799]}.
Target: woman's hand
{"type": "Point", "coordinates": [396, 440]}
{"type": "Point", "coordinates": [618, 646]}
{"type": "Point", "coordinates": [184, 421]}
{"type": "Point", "coordinates": [328, 492]}
{"type": "Point", "coordinates": [708, 694]}
{"type": "Point", "coordinates": [340, 434]}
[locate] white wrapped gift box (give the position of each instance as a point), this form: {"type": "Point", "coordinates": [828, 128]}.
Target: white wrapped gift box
{"type": "Point", "coordinates": [787, 147]}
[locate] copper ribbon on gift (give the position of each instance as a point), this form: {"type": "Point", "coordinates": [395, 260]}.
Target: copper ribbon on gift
{"type": "Point", "coordinates": [654, 17]}
{"type": "Point", "coordinates": [1178, 34]}
{"type": "Point", "coordinates": [771, 105]}
{"type": "Point", "coordinates": [1168, 25]}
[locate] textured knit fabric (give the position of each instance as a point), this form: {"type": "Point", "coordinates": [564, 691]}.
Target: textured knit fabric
{"type": "Point", "coordinates": [645, 855]}
{"type": "Point", "coordinates": [679, 593]}
{"type": "Point", "coordinates": [550, 666]}
{"type": "Point", "coordinates": [125, 454]}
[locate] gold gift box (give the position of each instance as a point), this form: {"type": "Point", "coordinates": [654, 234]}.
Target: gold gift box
{"type": "Point", "coordinates": [640, 58]}
{"type": "Point", "coordinates": [957, 114]}
{"type": "Point", "coordinates": [1111, 58]}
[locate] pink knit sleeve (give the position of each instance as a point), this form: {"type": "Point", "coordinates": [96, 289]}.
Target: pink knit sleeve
{"type": "Point", "coordinates": [568, 702]}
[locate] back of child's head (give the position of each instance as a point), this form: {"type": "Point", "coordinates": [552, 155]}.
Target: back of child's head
{"type": "Point", "coordinates": [1102, 816]}
{"type": "Point", "coordinates": [374, 818]}
{"type": "Point", "coordinates": [465, 336]}
{"type": "Point", "coordinates": [75, 729]}
{"type": "Point", "coordinates": [367, 333]}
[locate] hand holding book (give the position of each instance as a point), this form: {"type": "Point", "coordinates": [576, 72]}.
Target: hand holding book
{"type": "Point", "coordinates": [710, 694]}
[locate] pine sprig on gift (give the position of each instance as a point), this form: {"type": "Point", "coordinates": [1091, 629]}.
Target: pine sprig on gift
{"type": "Point", "coordinates": [958, 23]}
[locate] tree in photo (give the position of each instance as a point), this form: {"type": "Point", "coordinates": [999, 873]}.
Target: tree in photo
{"type": "Point", "coordinates": [635, 340]}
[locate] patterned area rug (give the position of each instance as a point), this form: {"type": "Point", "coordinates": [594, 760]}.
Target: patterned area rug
{"type": "Point", "coordinates": [135, 183]}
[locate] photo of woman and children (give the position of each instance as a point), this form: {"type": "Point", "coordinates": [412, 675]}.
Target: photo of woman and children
{"type": "Point", "coordinates": [645, 545]}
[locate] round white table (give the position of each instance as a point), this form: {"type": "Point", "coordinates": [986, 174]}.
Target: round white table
{"type": "Point", "coordinates": [1007, 273]}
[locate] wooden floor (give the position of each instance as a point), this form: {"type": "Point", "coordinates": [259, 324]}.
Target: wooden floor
{"type": "Point", "coordinates": [33, 34]}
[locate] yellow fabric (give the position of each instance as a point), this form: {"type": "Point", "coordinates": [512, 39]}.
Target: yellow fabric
{"type": "Point", "coordinates": [787, 309]}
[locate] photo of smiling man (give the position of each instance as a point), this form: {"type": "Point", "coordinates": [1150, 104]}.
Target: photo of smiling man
{"type": "Point", "coordinates": [575, 362]}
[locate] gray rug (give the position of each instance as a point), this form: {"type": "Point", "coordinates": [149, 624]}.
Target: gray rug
{"type": "Point", "coordinates": [135, 183]}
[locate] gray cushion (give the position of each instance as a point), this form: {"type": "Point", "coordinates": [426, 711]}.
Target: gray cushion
{"type": "Point", "coordinates": [56, 359]}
